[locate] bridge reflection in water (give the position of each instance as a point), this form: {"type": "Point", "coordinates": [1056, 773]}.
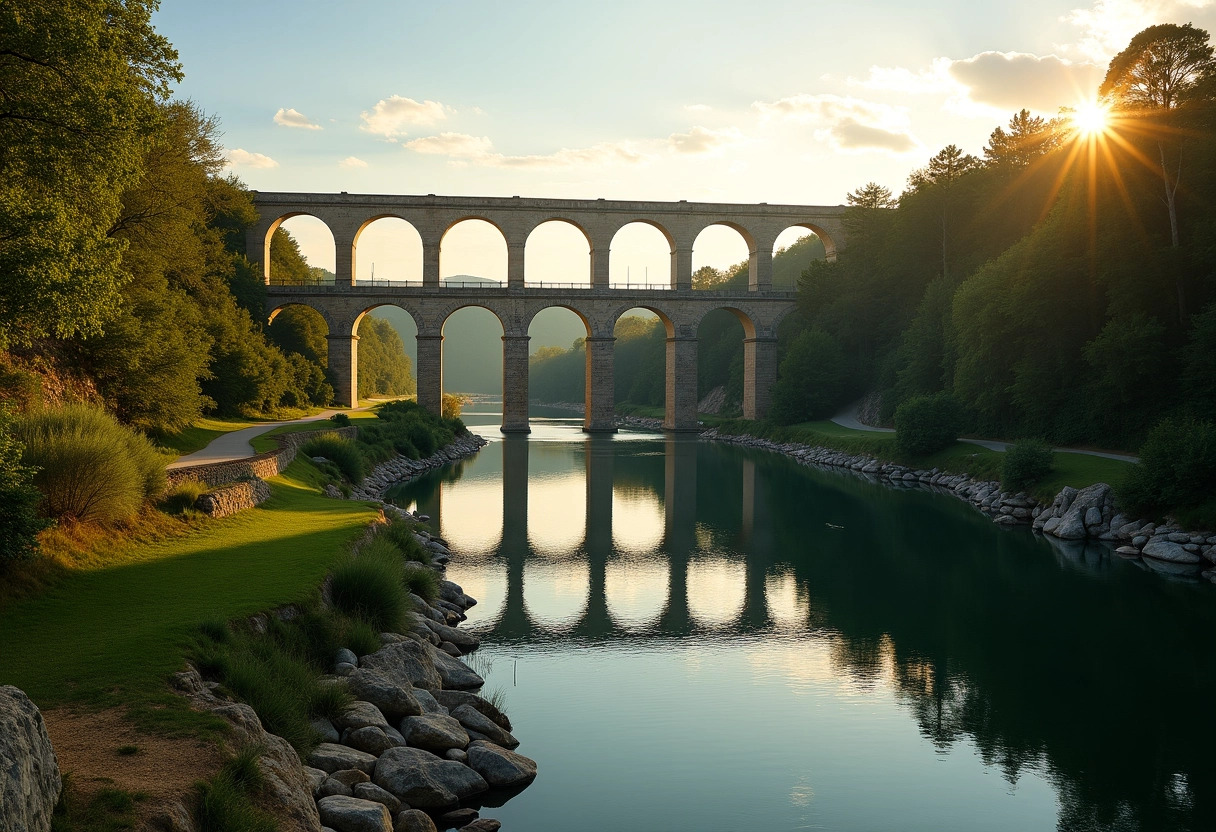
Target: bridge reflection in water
{"type": "Point", "coordinates": [641, 565]}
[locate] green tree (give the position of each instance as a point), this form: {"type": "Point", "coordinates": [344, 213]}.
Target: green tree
{"type": "Point", "coordinates": [384, 368]}
{"type": "Point", "coordinates": [19, 520]}
{"type": "Point", "coordinates": [1028, 138]}
{"type": "Point", "coordinates": [940, 178]}
{"type": "Point", "coordinates": [1158, 70]}
{"type": "Point", "coordinates": [79, 88]}
{"type": "Point", "coordinates": [811, 380]}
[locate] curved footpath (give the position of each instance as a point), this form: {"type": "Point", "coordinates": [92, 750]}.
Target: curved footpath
{"type": "Point", "coordinates": [229, 447]}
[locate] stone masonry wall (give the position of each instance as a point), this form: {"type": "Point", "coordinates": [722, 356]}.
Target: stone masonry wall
{"type": "Point", "coordinates": [263, 465]}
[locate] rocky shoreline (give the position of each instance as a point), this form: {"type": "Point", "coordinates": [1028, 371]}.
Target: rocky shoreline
{"type": "Point", "coordinates": [403, 469]}
{"type": "Point", "coordinates": [417, 751]}
{"type": "Point", "coordinates": [1074, 515]}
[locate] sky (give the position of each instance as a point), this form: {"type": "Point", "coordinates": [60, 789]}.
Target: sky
{"type": "Point", "coordinates": [779, 101]}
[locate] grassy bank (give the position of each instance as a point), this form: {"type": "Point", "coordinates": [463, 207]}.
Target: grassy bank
{"type": "Point", "coordinates": [1071, 469]}
{"type": "Point", "coordinates": [111, 635]}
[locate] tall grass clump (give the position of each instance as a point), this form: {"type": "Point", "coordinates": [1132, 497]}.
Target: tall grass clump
{"type": "Point", "coordinates": [89, 467]}
{"type": "Point", "coordinates": [225, 802]}
{"type": "Point", "coordinates": [338, 450]}
{"type": "Point", "coordinates": [401, 534]}
{"type": "Point", "coordinates": [1025, 463]}
{"type": "Point", "coordinates": [423, 582]}
{"type": "Point", "coordinates": [370, 588]}
{"type": "Point", "coordinates": [181, 498]}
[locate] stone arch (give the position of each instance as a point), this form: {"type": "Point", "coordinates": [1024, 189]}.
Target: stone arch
{"type": "Point", "coordinates": [530, 315]}
{"type": "Point", "coordinates": [663, 230]}
{"type": "Point", "coordinates": [389, 215]}
{"type": "Point", "coordinates": [745, 236]}
{"type": "Point", "coordinates": [480, 218]}
{"type": "Point", "coordinates": [668, 322]}
{"type": "Point", "coordinates": [563, 221]}
{"type": "Point", "coordinates": [276, 224]}
{"type": "Point", "coordinates": [414, 316]}
{"type": "Point", "coordinates": [829, 245]}
{"type": "Point", "coordinates": [331, 322]}
{"type": "Point", "coordinates": [747, 319]}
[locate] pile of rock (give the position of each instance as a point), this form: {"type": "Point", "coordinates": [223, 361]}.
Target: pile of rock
{"type": "Point", "coordinates": [1088, 513]}
{"type": "Point", "coordinates": [387, 474]}
{"type": "Point", "coordinates": [233, 497]}
{"type": "Point", "coordinates": [29, 773]}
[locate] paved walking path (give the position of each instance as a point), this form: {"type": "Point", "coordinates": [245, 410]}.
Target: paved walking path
{"type": "Point", "coordinates": [235, 445]}
{"type": "Point", "coordinates": [848, 418]}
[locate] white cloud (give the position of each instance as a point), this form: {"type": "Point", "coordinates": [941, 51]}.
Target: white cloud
{"type": "Point", "coordinates": [1013, 80]}
{"type": "Point", "coordinates": [294, 118]}
{"type": "Point", "coordinates": [244, 159]}
{"type": "Point", "coordinates": [849, 124]}
{"type": "Point", "coordinates": [700, 140]}
{"type": "Point", "coordinates": [392, 116]}
{"type": "Point", "coordinates": [899, 79]}
{"type": "Point", "coordinates": [352, 162]}
{"type": "Point", "coordinates": [1108, 26]}
{"type": "Point", "coordinates": [479, 150]}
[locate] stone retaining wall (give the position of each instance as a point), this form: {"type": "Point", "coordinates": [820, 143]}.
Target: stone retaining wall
{"type": "Point", "coordinates": [233, 497]}
{"type": "Point", "coordinates": [263, 465]}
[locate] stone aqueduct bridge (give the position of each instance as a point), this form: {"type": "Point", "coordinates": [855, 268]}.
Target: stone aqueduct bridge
{"type": "Point", "coordinates": [597, 303]}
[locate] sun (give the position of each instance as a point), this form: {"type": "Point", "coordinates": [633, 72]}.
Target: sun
{"type": "Point", "coordinates": [1091, 118]}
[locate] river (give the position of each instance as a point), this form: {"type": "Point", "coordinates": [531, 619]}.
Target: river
{"type": "Point", "coordinates": [695, 636]}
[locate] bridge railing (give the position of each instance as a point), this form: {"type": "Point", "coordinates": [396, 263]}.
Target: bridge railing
{"type": "Point", "coordinates": [541, 285]}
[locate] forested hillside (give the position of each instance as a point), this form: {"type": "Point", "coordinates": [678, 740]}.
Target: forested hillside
{"type": "Point", "coordinates": [122, 241]}
{"type": "Point", "coordinates": [1061, 286]}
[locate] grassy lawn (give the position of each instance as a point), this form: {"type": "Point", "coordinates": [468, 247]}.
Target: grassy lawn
{"type": "Point", "coordinates": [112, 636]}
{"type": "Point", "coordinates": [266, 441]}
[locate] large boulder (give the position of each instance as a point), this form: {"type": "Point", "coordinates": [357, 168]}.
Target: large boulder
{"type": "Point", "coordinates": [475, 720]}
{"type": "Point", "coordinates": [360, 715]}
{"type": "Point", "coordinates": [499, 766]}
{"type": "Point", "coordinates": [454, 674]}
{"type": "Point", "coordinates": [420, 779]}
{"type": "Point", "coordinates": [414, 820]}
{"type": "Point", "coordinates": [406, 663]}
{"type": "Point", "coordinates": [394, 699]}
{"type": "Point", "coordinates": [1162, 548]}
{"type": "Point", "coordinates": [371, 739]}
{"type": "Point", "coordinates": [453, 699]}
{"type": "Point", "coordinates": [464, 640]}
{"type": "Point", "coordinates": [29, 773]}
{"type": "Point", "coordinates": [352, 814]}
{"type": "Point", "coordinates": [434, 732]}
{"type": "Point", "coordinates": [331, 757]}
{"type": "Point", "coordinates": [1072, 525]}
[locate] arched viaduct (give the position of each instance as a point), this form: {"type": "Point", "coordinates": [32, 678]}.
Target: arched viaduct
{"type": "Point", "coordinates": [599, 304]}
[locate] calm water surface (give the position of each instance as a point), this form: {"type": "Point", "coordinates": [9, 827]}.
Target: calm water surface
{"type": "Point", "coordinates": [690, 636]}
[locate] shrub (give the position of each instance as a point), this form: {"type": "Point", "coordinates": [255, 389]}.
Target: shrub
{"type": "Point", "coordinates": [89, 466]}
{"type": "Point", "coordinates": [19, 520]}
{"type": "Point", "coordinates": [927, 424]}
{"type": "Point", "coordinates": [1177, 469]}
{"type": "Point", "coordinates": [340, 419]}
{"type": "Point", "coordinates": [338, 450]}
{"type": "Point", "coordinates": [225, 803]}
{"type": "Point", "coordinates": [370, 589]}
{"type": "Point", "coordinates": [181, 498]}
{"type": "Point", "coordinates": [1026, 462]}
{"type": "Point", "coordinates": [453, 404]}
{"type": "Point", "coordinates": [361, 638]}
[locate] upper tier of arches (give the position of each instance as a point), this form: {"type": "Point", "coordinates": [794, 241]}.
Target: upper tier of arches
{"type": "Point", "coordinates": [430, 219]}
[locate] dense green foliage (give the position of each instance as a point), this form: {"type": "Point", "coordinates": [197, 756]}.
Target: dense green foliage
{"type": "Point", "coordinates": [19, 520]}
{"type": "Point", "coordinates": [1025, 464]}
{"type": "Point", "coordinates": [88, 466]}
{"type": "Point", "coordinates": [384, 368]}
{"type": "Point", "coordinates": [82, 87]}
{"type": "Point", "coordinates": [1177, 470]}
{"type": "Point", "coordinates": [927, 424]}
{"type": "Point", "coordinates": [811, 379]}
{"type": "Point", "coordinates": [406, 428]}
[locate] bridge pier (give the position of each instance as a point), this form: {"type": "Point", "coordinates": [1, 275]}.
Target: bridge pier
{"type": "Point", "coordinates": [681, 384]}
{"type": "Point", "coordinates": [515, 384]}
{"type": "Point", "coordinates": [759, 375]}
{"type": "Point", "coordinates": [429, 372]}
{"type": "Point", "coordinates": [344, 368]}
{"type": "Point", "coordinates": [599, 405]}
